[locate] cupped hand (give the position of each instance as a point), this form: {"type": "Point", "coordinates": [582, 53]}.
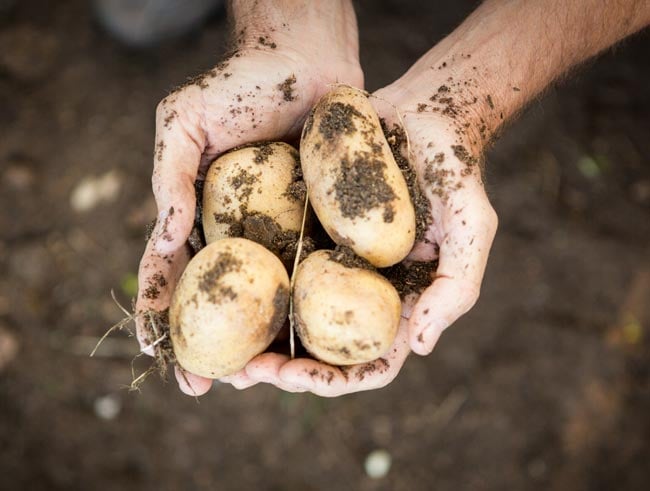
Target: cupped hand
{"type": "Point", "coordinates": [258, 94]}
{"type": "Point", "coordinates": [459, 235]}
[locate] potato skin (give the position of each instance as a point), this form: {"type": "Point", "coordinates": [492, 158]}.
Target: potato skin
{"type": "Point", "coordinates": [344, 315]}
{"type": "Point", "coordinates": [228, 306]}
{"type": "Point", "coordinates": [254, 180]}
{"type": "Point", "coordinates": [355, 186]}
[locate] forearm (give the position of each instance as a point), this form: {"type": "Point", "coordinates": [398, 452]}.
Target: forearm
{"type": "Point", "coordinates": [507, 52]}
{"type": "Point", "coordinates": [324, 26]}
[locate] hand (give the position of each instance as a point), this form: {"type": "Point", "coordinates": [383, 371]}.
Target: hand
{"type": "Point", "coordinates": [263, 92]}
{"type": "Point", "coordinates": [460, 235]}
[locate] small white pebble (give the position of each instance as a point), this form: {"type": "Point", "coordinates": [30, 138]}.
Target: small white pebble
{"type": "Point", "coordinates": [92, 191]}
{"type": "Point", "coordinates": [377, 464]}
{"type": "Point", "coordinates": [107, 407]}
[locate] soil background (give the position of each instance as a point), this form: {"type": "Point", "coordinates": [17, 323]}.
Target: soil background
{"type": "Point", "coordinates": [544, 385]}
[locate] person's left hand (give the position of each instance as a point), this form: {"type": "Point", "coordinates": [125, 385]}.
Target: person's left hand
{"type": "Point", "coordinates": [462, 228]}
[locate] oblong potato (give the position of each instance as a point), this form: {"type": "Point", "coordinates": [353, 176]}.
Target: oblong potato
{"type": "Point", "coordinates": [228, 306]}
{"type": "Point", "coordinates": [355, 186]}
{"type": "Point", "coordinates": [254, 192]}
{"type": "Point", "coordinates": [345, 314]}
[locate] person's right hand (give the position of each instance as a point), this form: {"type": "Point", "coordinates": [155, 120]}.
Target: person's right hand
{"type": "Point", "coordinates": [263, 92]}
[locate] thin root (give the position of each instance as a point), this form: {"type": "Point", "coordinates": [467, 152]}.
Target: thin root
{"type": "Point", "coordinates": [296, 260]}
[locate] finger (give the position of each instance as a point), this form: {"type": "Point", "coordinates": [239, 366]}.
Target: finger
{"type": "Point", "coordinates": [190, 384]}
{"type": "Point", "coordinates": [178, 147]}
{"type": "Point", "coordinates": [239, 380]}
{"type": "Point", "coordinates": [157, 277]}
{"type": "Point", "coordinates": [330, 381]}
{"type": "Point", "coordinates": [463, 256]}
{"type": "Point", "coordinates": [266, 368]}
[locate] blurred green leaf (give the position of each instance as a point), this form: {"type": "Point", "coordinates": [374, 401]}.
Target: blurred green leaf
{"type": "Point", "coordinates": [129, 284]}
{"type": "Point", "coordinates": [588, 167]}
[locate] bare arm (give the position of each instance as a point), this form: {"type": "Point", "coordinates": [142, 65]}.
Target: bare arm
{"type": "Point", "coordinates": [508, 51]}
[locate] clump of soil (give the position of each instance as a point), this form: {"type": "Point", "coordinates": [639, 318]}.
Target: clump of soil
{"type": "Point", "coordinates": [346, 257]}
{"type": "Point", "coordinates": [297, 189]}
{"type": "Point", "coordinates": [211, 279]}
{"type": "Point", "coordinates": [286, 88]}
{"type": "Point", "coordinates": [464, 156]}
{"type": "Point", "coordinates": [396, 138]}
{"type": "Point", "coordinates": [265, 230]}
{"type": "Point", "coordinates": [337, 120]}
{"type": "Point", "coordinates": [412, 278]}
{"type": "Point", "coordinates": [156, 282]}
{"type": "Point", "coordinates": [264, 41]}
{"type": "Point", "coordinates": [361, 186]}
{"type": "Point", "coordinates": [262, 153]}
{"type": "Point", "coordinates": [242, 183]}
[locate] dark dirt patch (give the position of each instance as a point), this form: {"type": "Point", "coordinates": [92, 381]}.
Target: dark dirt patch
{"type": "Point", "coordinates": [309, 123]}
{"type": "Point", "coordinates": [297, 189]}
{"type": "Point", "coordinates": [346, 257]}
{"type": "Point", "coordinates": [280, 310]}
{"type": "Point", "coordinates": [466, 158]}
{"type": "Point", "coordinates": [160, 149]}
{"type": "Point", "coordinates": [235, 228]}
{"type": "Point", "coordinates": [266, 231]}
{"type": "Point", "coordinates": [440, 180]}
{"type": "Point", "coordinates": [243, 184]}
{"type": "Point", "coordinates": [286, 88]}
{"type": "Point", "coordinates": [381, 365]}
{"type": "Point", "coordinates": [396, 138]}
{"type": "Point", "coordinates": [196, 240]}
{"type": "Point", "coordinates": [262, 153]}
{"type": "Point", "coordinates": [412, 278]}
{"type": "Point", "coordinates": [171, 115]}
{"type": "Point", "coordinates": [265, 41]}
{"type": "Point", "coordinates": [210, 282]}
{"type": "Point", "coordinates": [338, 119]}
{"type": "Point", "coordinates": [361, 186]}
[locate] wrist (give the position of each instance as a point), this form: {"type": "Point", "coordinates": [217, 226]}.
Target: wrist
{"type": "Point", "coordinates": [317, 32]}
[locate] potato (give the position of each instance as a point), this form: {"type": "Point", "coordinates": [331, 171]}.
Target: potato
{"type": "Point", "coordinates": [228, 306]}
{"type": "Point", "coordinates": [254, 192]}
{"type": "Point", "coordinates": [345, 314]}
{"type": "Point", "coordinates": [355, 186]}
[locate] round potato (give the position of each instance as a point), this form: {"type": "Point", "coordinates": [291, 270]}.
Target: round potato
{"type": "Point", "coordinates": [355, 186]}
{"type": "Point", "coordinates": [345, 314]}
{"type": "Point", "coordinates": [228, 306]}
{"type": "Point", "coordinates": [254, 192]}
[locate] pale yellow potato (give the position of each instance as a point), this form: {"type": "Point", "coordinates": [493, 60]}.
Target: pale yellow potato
{"type": "Point", "coordinates": [228, 306]}
{"type": "Point", "coordinates": [344, 314]}
{"type": "Point", "coordinates": [252, 181]}
{"type": "Point", "coordinates": [355, 186]}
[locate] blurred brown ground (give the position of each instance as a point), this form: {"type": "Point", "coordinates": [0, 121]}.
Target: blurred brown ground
{"type": "Point", "coordinates": [544, 385]}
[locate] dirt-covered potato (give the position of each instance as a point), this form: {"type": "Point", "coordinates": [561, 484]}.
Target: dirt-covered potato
{"type": "Point", "coordinates": [255, 192]}
{"type": "Point", "coordinates": [228, 306]}
{"type": "Point", "coordinates": [355, 186]}
{"type": "Point", "coordinates": [345, 312]}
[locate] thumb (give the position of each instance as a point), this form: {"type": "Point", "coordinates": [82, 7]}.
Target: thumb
{"type": "Point", "coordinates": [177, 155]}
